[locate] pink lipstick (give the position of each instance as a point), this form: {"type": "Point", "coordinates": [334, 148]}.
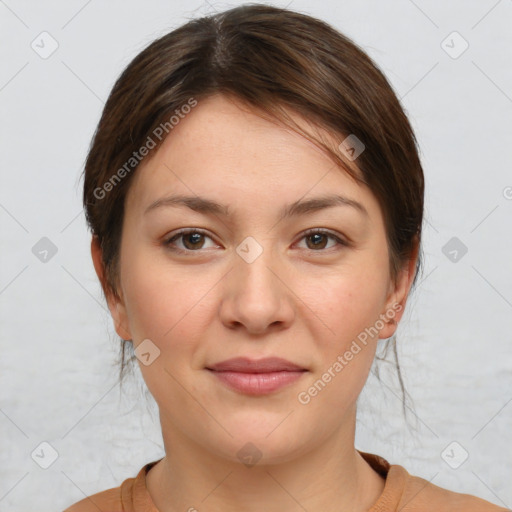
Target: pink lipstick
{"type": "Point", "coordinates": [257, 377]}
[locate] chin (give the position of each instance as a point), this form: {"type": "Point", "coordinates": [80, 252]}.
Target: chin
{"type": "Point", "coordinates": [258, 442]}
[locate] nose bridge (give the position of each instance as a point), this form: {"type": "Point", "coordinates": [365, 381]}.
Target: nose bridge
{"type": "Point", "coordinates": [255, 255]}
{"type": "Point", "coordinates": [256, 298]}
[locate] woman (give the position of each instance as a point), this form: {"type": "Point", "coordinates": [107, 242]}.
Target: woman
{"type": "Point", "coordinates": [256, 200]}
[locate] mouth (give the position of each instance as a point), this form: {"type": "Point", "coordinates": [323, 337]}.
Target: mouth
{"type": "Point", "coordinates": [265, 365]}
{"type": "Point", "coordinates": [256, 377]}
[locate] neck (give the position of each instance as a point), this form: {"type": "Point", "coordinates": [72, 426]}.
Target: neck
{"type": "Point", "coordinates": [331, 477]}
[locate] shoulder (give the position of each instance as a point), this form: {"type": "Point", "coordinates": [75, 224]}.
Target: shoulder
{"type": "Point", "coordinates": [420, 494]}
{"type": "Point", "coordinates": [408, 493]}
{"type": "Point", "coordinates": [129, 496]}
{"type": "Point", "coordinates": [109, 500]}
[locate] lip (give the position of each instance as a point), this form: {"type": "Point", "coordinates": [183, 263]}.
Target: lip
{"type": "Point", "coordinates": [265, 365]}
{"type": "Point", "coordinates": [256, 377]}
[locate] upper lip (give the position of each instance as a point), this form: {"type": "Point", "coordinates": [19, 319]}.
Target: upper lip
{"type": "Point", "coordinates": [246, 365]}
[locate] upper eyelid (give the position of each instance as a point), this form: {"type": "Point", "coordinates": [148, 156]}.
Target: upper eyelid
{"type": "Point", "coordinates": [340, 239]}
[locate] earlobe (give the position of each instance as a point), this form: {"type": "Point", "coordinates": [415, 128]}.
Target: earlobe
{"type": "Point", "coordinates": [394, 310]}
{"type": "Point", "coordinates": [397, 298]}
{"type": "Point", "coordinates": [120, 319]}
{"type": "Point", "coordinates": [115, 305]}
{"type": "Point", "coordinates": [391, 317]}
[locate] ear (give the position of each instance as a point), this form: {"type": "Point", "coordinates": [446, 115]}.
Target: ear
{"type": "Point", "coordinates": [397, 297]}
{"type": "Point", "coordinates": [115, 304]}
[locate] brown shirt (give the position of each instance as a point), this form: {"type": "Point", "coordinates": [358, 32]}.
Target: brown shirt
{"type": "Point", "coordinates": [402, 492]}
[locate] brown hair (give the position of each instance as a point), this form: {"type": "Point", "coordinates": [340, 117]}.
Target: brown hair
{"type": "Point", "coordinates": [273, 60]}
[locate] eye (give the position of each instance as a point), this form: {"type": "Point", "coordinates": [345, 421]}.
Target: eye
{"type": "Point", "coordinates": [318, 238]}
{"type": "Point", "coordinates": [193, 240]}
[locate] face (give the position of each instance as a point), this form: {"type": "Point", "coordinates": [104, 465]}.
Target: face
{"type": "Point", "coordinates": [250, 282]}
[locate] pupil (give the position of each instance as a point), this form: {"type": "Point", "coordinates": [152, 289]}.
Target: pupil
{"type": "Point", "coordinates": [317, 239]}
{"type": "Point", "coordinates": [194, 238]}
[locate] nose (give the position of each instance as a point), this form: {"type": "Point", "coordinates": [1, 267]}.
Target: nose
{"type": "Point", "coordinates": [257, 294]}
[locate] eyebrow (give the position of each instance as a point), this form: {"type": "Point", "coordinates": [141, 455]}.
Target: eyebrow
{"type": "Point", "coordinates": [299, 207]}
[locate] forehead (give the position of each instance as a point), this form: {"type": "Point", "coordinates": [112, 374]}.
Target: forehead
{"type": "Point", "coordinates": [224, 149]}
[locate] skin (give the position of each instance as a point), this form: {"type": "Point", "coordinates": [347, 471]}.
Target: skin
{"type": "Point", "coordinates": [295, 301]}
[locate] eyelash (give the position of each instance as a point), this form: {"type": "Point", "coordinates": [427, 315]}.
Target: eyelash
{"type": "Point", "coordinates": [187, 231]}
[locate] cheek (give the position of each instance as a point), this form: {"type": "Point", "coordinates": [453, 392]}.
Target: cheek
{"type": "Point", "coordinates": [348, 301]}
{"type": "Point", "coordinates": [170, 308]}
{"type": "Point", "coordinates": [165, 304]}
{"type": "Point", "coordinates": [349, 306]}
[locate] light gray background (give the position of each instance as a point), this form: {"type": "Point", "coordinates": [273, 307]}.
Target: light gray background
{"type": "Point", "coordinates": [58, 378]}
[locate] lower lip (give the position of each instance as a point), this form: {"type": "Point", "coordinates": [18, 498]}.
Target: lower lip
{"type": "Point", "coordinates": [257, 383]}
